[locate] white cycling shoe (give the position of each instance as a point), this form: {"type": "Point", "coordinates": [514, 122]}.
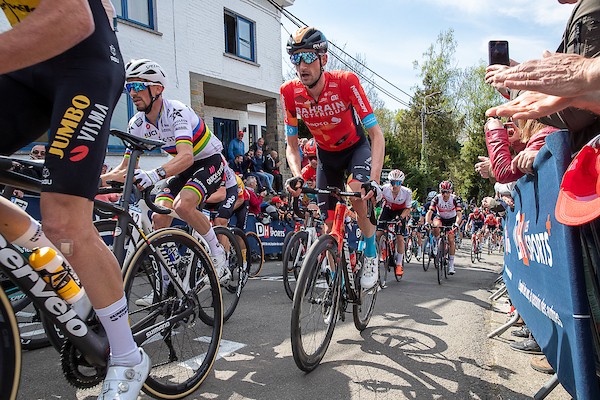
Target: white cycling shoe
{"type": "Point", "coordinates": [220, 264]}
{"type": "Point", "coordinates": [123, 382]}
{"type": "Point", "coordinates": [370, 273]}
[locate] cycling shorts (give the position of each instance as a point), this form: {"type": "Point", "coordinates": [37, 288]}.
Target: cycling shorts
{"type": "Point", "coordinates": [70, 96]}
{"type": "Point", "coordinates": [333, 165]}
{"type": "Point", "coordinates": [204, 178]}
{"type": "Point", "coordinates": [476, 226]}
{"type": "Point", "coordinates": [447, 222]}
{"type": "Point", "coordinates": [388, 214]}
{"type": "Point", "coordinates": [227, 206]}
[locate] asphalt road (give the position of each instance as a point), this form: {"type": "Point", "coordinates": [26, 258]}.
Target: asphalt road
{"type": "Point", "coordinates": [425, 341]}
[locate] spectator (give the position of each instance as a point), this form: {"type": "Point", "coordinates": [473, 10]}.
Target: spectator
{"type": "Point", "coordinates": [237, 165]}
{"type": "Point", "coordinates": [249, 167]}
{"type": "Point", "coordinates": [236, 146]}
{"type": "Point", "coordinates": [256, 196]}
{"type": "Point", "coordinates": [278, 203]}
{"type": "Point", "coordinates": [38, 152]}
{"type": "Point", "coordinates": [272, 164]}
{"type": "Point", "coordinates": [259, 169]}
{"type": "Point", "coordinates": [259, 144]}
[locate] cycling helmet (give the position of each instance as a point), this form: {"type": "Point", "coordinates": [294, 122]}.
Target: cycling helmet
{"type": "Point", "coordinates": [431, 195]}
{"type": "Point", "coordinates": [307, 38]}
{"type": "Point", "coordinates": [476, 211]}
{"type": "Point", "coordinates": [414, 204]}
{"type": "Point", "coordinates": [310, 148]}
{"type": "Point", "coordinates": [445, 185]}
{"type": "Point", "coordinates": [396, 175]}
{"type": "Point", "coordinates": [145, 69]}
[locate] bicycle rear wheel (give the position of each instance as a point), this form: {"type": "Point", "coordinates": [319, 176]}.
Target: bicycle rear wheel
{"type": "Point", "coordinates": [232, 289]}
{"type": "Point", "coordinates": [361, 313]}
{"type": "Point", "coordinates": [181, 328]}
{"type": "Point", "coordinates": [293, 256]}
{"type": "Point", "coordinates": [10, 351]}
{"type": "Point", "coordinates": [316, 300]}
{"type": "Point", "coordinates": [256, 258]}
{"type": "Point", "coordinates": [439, 261]}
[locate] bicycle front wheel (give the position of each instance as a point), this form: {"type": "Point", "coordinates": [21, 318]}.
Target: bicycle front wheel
{"type": "Point", "coordinates": [293, 256]}
{"type": "Point", "coordinates": [407, 249]}
{"type": "Point", "coordinates": [382, 261]}
{"type": "Point", "coordinates": [439, 261]}
{"type": "Point", "coordinates": [178, 321]}
{"type": "Point", "coordinates": [316, 300]}
{"type": "Point", "coordinates": [426, 255]}
{"type": "Point", "coordinates": [362, 312]}
{"type": "Point", "coordinates": [10, 351]}
{"type": "Point", "coordinates": [256, 258]}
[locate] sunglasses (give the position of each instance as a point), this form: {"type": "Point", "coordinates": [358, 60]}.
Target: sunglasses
{"type": "Point", "coordinates": [38, 152]}
{"type": "Point", "coordinates": [396, 183]}
{"type": "Point", "coordinates": [308, 58]}
{"type": "Point", "coordinates": [139, 86]}
{"type": "Point", "coordinates": [310, 158]}
{"type": "Point", "coordinates": [445, 191]}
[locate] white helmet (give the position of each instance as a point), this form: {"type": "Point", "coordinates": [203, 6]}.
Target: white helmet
{"type": "Point", "coordinates": [146, 69]}
{"type": "Point", "coordinates": [396, 175]}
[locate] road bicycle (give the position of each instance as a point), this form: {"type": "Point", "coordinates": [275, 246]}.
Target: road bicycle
{"type": "Point", "coordinates": [298, 245]}
{"type": "Point", "coordinates": [475, 246]}
{"type": "Point", "coordinates": [329, 281]}
{"type": "Point", "coordinates": [181, 332]}
{"type": "Point", "coordinates": [441, 259]}
{"type": "Point", "coordinates": [429, 249]}
{"type": "Point", "coordinates": [387, 251]}
{"type": "Point", "coordinates": [411, 244]}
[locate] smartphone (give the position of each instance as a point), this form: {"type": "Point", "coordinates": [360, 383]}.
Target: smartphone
{"type": "Point", "coordinates": [498, 52]}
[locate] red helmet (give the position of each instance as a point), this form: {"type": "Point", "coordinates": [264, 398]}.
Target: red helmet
{"type": "Point", "coordinates": [445, 185]}
{"type": "Point", "coordinates": [476, 211]}
{"type": "Point", "coordinates": [310, 148]}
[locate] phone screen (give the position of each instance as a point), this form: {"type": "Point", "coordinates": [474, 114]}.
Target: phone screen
{"type": "Point", "coordinates": [498, 52]}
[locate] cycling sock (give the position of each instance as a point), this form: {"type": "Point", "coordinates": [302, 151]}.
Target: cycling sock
{"type": "Point", "coordinates": [451, 261]}
{"type": "Point", "coordinates": [115, 319]}
{"type": "Point", "coordinates": [34, 237]}
{"type": "Point", "coordinates": [370, 248]}
{"type": "Point", "coordinates": [212, 241]}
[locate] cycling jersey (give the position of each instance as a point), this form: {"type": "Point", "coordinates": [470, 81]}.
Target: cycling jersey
{"type": "Point", "coordinates": [445, 209]}
{"type": "Point", "coordinates": [332, 119]}
{"type": "Point", "coordinates": [490, 220]}
{"type": "Point", "coordinates": [477, 219]}
{"type": "Point", "coordinates": [71, 96]}
{"type": "Point", "coordinates": [177, 123]}
{"type": "Point", "coordinates": [400, 201]}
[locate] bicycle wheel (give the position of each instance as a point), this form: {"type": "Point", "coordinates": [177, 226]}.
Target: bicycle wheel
{"type": "Point", "coordinates": [181, 329]}
{"type": "Point", "coordinates": [438, 261]}
{"type": "Point", "coordinates": [446, 259]}
{"type": "Point", "coordinates": [292, 261]}
{"type": "Point", "coordinates": [242, 240]}
{"type": "Point", "coordinates": [415, 249]}
{"type": "Point", "coordinates": [257, 254]}
{"type": "Point", "coordinates": [490, 246]}
{"type": "Point", "coordinates": [10, 350]}
{"type": "Point", "coordinates": [315, 308]}
{"type": "Point", "coordinates": [478, 254]}
{"type": "Point", "coordinates": [407, 249]}
{"type": "Point", "coordinates": [382, 258]}
{"type": "Point", "coordinates": [232, 289]}
{"type": "Point", "coordinates": [473, 250]}
{"type": "Point", "coordinates": [426, 254]}
{"type": "Point", "coordinates": [286, 240]}
{"type": "Point", "coordinates": [361, 313]}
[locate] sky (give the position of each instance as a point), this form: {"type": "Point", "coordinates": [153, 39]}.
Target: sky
{"type": "Point", "coordinates": [392, 34]}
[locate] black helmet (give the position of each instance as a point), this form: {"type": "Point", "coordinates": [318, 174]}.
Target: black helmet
{"type": "Point", "coordinates": [307, 38]}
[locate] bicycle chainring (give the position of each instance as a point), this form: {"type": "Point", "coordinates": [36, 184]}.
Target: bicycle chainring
{"type": "Point", "coordinates": [77, 370]}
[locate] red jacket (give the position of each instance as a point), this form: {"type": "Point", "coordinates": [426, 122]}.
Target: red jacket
{"type": "Point", "coordinates": [499, 147]}
{"type": "Point", "coordinates": [255, 202]}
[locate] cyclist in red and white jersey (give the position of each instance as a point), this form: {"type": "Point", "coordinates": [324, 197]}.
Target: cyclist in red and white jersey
{"type": "Point", "coordinates": [397, 202]}
{"type": "Point", "coordinates": [334, 107]}
{"type": "Point", "coordinates": [449, 213]}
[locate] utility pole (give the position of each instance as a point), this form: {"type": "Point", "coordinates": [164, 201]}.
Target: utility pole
{"type": "Point", "coordinates": [423, 135]}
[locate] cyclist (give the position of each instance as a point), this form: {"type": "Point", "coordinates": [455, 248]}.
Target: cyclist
{"type": "Point", "coordinates": [475, 224]}
{"type": "Point", "coordinates": [309, 171]}
{"type": "Point", "coordinates": [449, 214]}
{"type": "Point", "coordinates": [397, 201]}
{"type": "Point", "coordinates": [330, 104]}
{"type": "Point", "coordinates": [489, 226]}
{"type": "Point", "coordinates": [415, 223]}
{"type": "Point", "coordinates": [197, 167]}
{"type": "Point", "coordinates": [65, 79]}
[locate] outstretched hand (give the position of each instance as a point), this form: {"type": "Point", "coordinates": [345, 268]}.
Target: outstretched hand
{"type": "Point", "coordinates": [531, 105]}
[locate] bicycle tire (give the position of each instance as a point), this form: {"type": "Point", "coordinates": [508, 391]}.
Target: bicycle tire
{"type": "Point", "coordinates": [10, 350]}
{"type": "Point", "coordinates": [242, 239]}
{"type": "Point", "coordinates": [478, 254]}
{"type": "Point", "coordinates": [416, 248]}
{"type": "Point", "coordinates": [408, 249]}
{"type": "Point", "coordinates": [425, 255]}
{"type": "Point", "coordinates": [31, 329]}
{"type": "Point", "coordinates": [232, 289]}
{"type": "Point", "coordinates": [292, 261]}
{"type": "Point", "coordinates": [315, 303]}
{"type": "Point", "coordinates": [182, 348]}
{"type": "Point", "coordinates": [438, 262]}
{"type": "Point", "coordinates": [361, 313]}
{"type": "Point", "coordinates": [382, 258]}
{"type": "Point", "coordinates": [473, 251]}
{"type": "Point", "coordinates": [257, 254]}
{"type": "Point", "coordinates": [286, 239]}
{"type": "Point", "coordinates": [446, 259]}
{"type": "Point", "coordinates": [490, 246]}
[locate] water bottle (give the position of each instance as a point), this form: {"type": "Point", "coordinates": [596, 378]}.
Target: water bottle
{"type": "Point", "coordinates": [53, 269]}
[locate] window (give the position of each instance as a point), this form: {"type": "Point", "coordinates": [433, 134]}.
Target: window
{"type": "Point", "coordinates": [239, 36]}
{"type": "Point", "coordinates": [252, 138]}
{"type": "Point", "coordinates": [138, 11]}
{"type": "Point", "coordinates": [120, 119]}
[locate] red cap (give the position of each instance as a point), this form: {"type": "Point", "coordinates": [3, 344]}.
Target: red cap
{"type": "Point", "coordinates": [276, 199]}
{"type": "Point", "coordinates": [579, 196]}
{"type": "Point", "coordinates": [240, 132]}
